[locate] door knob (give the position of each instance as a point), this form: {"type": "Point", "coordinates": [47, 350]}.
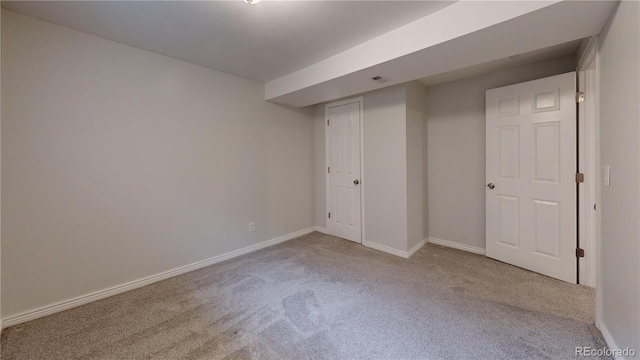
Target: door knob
{"type": "Point", "coordinates": [356, 182]}
{"type": "Point", "coordinates": [491, 186]}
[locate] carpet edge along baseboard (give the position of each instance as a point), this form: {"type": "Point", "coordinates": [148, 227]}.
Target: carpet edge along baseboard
{"type": "Point", "coordinates": [135, 284]}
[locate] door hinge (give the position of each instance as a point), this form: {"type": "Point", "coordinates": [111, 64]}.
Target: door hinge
{"type": "Point", "coordinates": [329, 215]}
{"type": "Point", "coordinates": [579, 178]}
{"type": "Point", "coordinates": [329, 169]}
{"type": "Point", "coordinates": [579, 253]}
{"type": "Point", "coordinates": [327, 122]}
{"type": "Point", "coordinates": [579, 97]}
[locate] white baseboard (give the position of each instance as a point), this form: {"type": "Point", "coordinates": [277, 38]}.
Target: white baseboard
{"type": "Point", "coordinates": [383, 248]}
{"type": "Point", "coordinates": [455, 245]}
{"type": "Point", "coordinates": [392, 251]}
{"type": "Point", "coordinates": [416, 248]}
{"type": "Point", "coordinates": [320, 229]}
{"type": "Point", "coordinates": [611, 344]}
{"type": "Point", "coordinates": [386, 249]}
{"type": "Point", "coordinates": [102, 294]}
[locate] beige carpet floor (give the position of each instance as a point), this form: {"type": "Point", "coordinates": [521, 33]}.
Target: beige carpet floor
{"type": "Point", "coordinates": [320, 297]}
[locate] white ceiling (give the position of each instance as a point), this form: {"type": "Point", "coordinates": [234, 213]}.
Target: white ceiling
{"type": "Point", "coordinates": [260, 42]}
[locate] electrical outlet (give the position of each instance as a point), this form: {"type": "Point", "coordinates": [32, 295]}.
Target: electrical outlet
{"type": "Point", "coordinates": [252, 226]}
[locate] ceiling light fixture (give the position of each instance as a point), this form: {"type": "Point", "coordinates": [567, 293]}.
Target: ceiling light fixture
{"type": "Point", "coordinates": [252, 2]}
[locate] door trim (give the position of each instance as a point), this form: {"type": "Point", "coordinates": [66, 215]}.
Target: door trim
{"type": "Point", "coordinates": [589, 62]}
{"type": "Point", "coordinates": [360, 101]}
{"type": "Point", "coordinates": [587, 267]}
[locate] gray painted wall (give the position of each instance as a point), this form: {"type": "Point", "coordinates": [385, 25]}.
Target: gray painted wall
{"type": "Point", "coordinates": [619, 91]}
{"type": "Point", "coordinates": [455, 142]}
{"type": "Point", "coordinates": [319, 126]}
{"type": "Point", "coordinates": [385, 167]}
{"type": "Point", "coordinates": [118, 164]}
{"type": "Point", "coordinates": [416, 117]}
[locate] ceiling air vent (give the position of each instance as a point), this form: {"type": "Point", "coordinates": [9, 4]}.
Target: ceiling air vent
{"type": "Point", "coordinates": [381, 79]}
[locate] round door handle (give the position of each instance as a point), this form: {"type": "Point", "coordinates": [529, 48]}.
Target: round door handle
{"type": "Point", "coordinates": [491, 186]}
{"type": "Point", "coordinates": [356, 182]}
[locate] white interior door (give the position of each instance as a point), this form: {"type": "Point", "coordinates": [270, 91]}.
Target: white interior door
{"type": "Point", "coordinates": [343, 169]}
{"type": "Point", "coordinates": [531, 164]}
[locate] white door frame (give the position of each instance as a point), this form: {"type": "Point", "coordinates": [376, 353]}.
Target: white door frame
{"type": "Point", "coordinates": [587, 190]}
{"type": "Point", "coordinates": [360, 101]}
{"type": "Point", "coordinates": [590, 269]}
